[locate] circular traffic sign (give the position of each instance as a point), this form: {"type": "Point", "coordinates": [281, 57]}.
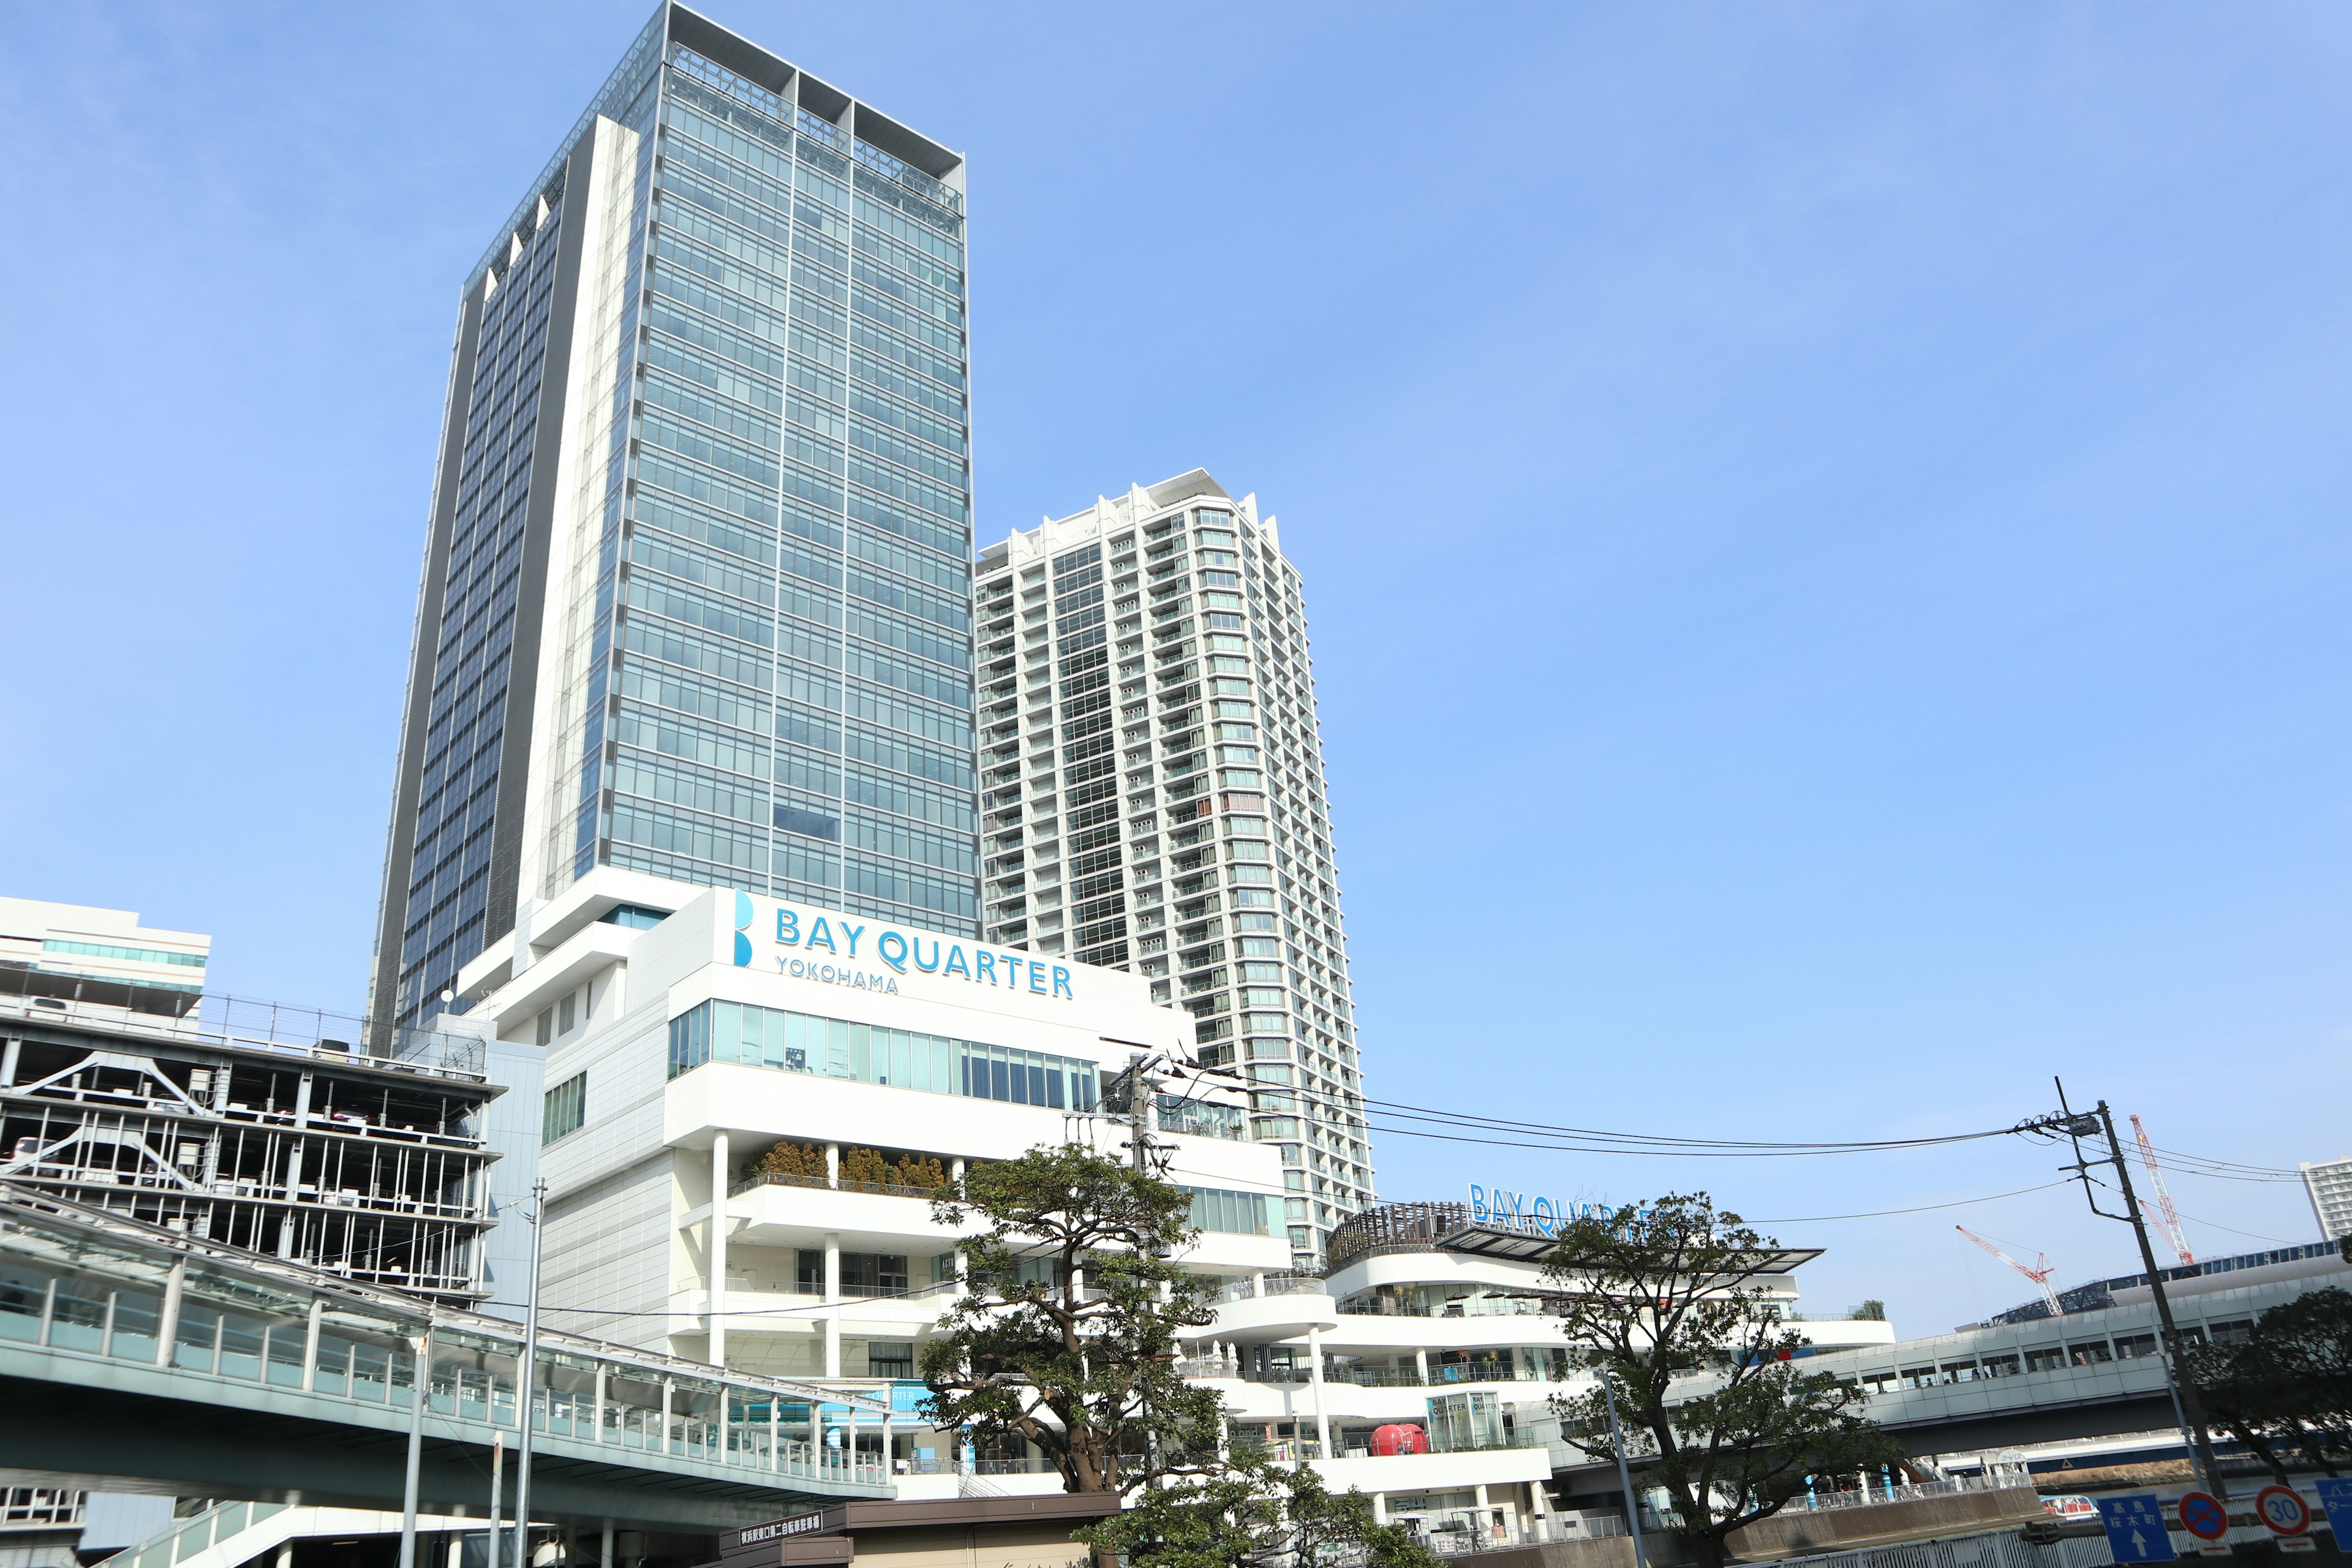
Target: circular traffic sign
{"type": "Point", "coordinates": [2202, 1516]}
{"type": "Point", "coordinates": [2282, 1510]}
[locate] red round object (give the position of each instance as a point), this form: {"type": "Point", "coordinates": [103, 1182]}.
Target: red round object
{"type": "Point", "coordinates": [2282, 1509]}
{"type": "Point", "coordinates": [1401, 1439]}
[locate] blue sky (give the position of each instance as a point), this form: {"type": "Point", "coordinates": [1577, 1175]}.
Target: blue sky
{"type": "Point", "coordinates": [1824, 526]}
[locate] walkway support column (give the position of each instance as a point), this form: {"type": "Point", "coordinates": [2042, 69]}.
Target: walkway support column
{"type": "Point", "coordinates": [718, 1248]}
{"type": "Point", "coordinates": [1315, 1375]}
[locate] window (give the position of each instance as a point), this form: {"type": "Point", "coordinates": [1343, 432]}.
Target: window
{"type": "Point", "coordinates": [2089, 1353]}
{"type": "Point", "coordinates": [889, 1358]}
{"type": "Point", "coordinates": [904, 1059]}
{"type": "Point", "coordinates": [636, 917]}
{"type": "Point", "coordinates": [1998, 1366]}
{"type": "Point", "coordinates": [547, 1026]}
{"type": "Point", "coordinates": [2235, 1332]}
{"type": "Point", "coordinates": [1234, 1214]}
{"type": "Point", "coordinates": [2044, 1358]}
{"type": "Point", "coordinates": [567, 1013]}
{"type": "Point", "coordinates": [565, 1108]}
{"type": "Point", "coordinates": [2133, 1347]}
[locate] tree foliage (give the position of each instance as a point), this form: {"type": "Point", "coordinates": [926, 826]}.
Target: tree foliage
{"type": "Point", "coordinates": [1670, 1301]}
{"type": "Point", "coordinates": [1089, 1374]}
{"type": "Point", "coordinates": [1255, 1513]}
{"type": "Point", "coordinates": [2288, 1384]}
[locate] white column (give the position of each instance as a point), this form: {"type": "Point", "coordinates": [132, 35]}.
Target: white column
{"type": "Point", "coordinates": [719, 1248]}
{"type": "Point", "coordinates": [832, 1164]}
{"type": "Point", "coordinates": [604, 1558]}
{"type": "Point", "coordinates": [1315, 1376]}
{"type": "Point", "coordinates": [833, 1285]}
{"type": "Point", "coordinates": [1257, 1284]}
{"type": "Point", "coordinates": [1380, 1508]}
{"type": "Point", "coordinates": [1421, 1364]}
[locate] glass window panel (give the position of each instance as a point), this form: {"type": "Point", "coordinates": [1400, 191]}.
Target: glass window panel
{"type": "Point", "coordinates": [332, 1374]}
{"type": "Point", "coordinates": [371, 1372]}
{"type": "Point", "coordinates": [80, 1315]}
{"type": "Point", "coordinates": [138, 1318]}
{"type": "Point", "coordinates": [22, 1291]}
{"type": "Point", "coordinates": [240, 1346]}
{"type": "Point", "coordinates": [286, 1343]}
{"type": "Point", "coordinates": [193, 1344]}
{"type": "Point", "coordinates": [998, 1088]}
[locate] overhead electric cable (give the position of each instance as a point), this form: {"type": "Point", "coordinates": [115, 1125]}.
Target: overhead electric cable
{"type": "Point", "coordinates": [1922, 1208]}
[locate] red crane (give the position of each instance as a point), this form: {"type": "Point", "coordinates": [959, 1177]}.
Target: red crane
{"type": "Point", "coordinates": [2165, 1214]}
{"type": "Point", "coordinates": [2039, 1272]}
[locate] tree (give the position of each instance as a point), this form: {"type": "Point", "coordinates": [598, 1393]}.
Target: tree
{"type": "Point", "coordinates": [2288, 1384]}
{"type": "Point", "coordinates": [1659, 1297]}
{"type": "Point", "coordinates": [1067, 1337]}
{"type": "Point", "coordinates": [1255, 1513]}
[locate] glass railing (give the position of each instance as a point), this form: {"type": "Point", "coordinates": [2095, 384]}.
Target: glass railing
{"type": "Point", "coordinates": [187, 1537]}
{"type": "Point", "coordinates": [88, 1286]}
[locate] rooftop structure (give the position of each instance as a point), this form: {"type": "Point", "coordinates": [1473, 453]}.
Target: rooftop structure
{"type": "Point", "coordinates": [255, 1127]}
{"type": "Point", "coordinates": [2318, 1258]}
{"type": "Point", "coordinates": [1154, 797]}
{"type": "Point", "coordinates": [73, 951]}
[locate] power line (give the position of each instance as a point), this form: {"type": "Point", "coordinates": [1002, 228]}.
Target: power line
{"type": "Point", "coordinates": [1922, 1208]}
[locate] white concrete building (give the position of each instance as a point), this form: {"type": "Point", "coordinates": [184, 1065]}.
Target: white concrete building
{"type": "Point", "coordinates": [74, 952]}
{"type": "Point", "coordinates": [2329, 1183]}
{"type": "Point", "coordinates": [1419, 1366]}
{"type": "Point", "coordinates": [748, 1101]}
{"type": "Point", "coordinates": [1152, 799]}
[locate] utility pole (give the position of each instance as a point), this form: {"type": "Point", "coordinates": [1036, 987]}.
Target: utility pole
{"type": "Point", "coordinates": [527, 1394]}
{"type": "Point", "coordinates": [2187, 1408]}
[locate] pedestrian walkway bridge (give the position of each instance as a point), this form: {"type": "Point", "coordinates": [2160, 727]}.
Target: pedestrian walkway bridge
{"type": "Point", "coordinates": [137, 1359]}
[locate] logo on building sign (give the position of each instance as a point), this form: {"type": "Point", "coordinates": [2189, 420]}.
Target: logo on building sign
{"type": "Point", "coordinates": [1507, 1210]}
{"type": "Point", "coordinates": [833, 948]}
{"type": "Point", "coordinates": [743, 931]}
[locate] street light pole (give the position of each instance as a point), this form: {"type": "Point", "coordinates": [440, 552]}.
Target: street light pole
{"type": "Point", "coordinates": [527, 1393]}
{"type": "Point", "coordinates": [420, 1367]}
{"type": "Point", "coordinates": [1624, 1471]}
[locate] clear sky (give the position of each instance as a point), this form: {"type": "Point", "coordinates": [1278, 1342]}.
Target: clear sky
{"type": "Point", "coordinates": [1824, 526]}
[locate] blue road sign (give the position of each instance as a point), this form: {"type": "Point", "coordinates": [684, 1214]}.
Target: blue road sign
{"type": "Point", "coordinates": [2136, 1528]}
{"type": "Point", "coordinates": [2336, 1501]}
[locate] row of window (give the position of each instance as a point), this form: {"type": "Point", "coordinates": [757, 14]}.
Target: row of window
{"type": "Point", "coordinates": [750, 1036]}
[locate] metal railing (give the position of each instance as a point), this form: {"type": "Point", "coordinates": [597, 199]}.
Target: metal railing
{"type": "Point", "coordinates": [1906, 1491]}
{"type": "Point", "coordinates": [39, 1507]}
{"type": "Point", "coordinates": [214, 1019]}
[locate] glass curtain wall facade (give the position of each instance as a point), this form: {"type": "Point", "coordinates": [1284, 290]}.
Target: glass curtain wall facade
{"type": "Point", "coordinates": [1153, 800]}
{"type": "Point", "coordinates": [696, 594]}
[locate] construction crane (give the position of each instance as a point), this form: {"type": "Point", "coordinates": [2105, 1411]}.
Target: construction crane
{"type": "Point", "coordinates": [2164, 1214]}
{"type": "Point", "coordinates": [2039, 1272]}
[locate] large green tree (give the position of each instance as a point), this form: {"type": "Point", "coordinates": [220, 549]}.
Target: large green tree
{"type": "Point", "coordinates": [1068, 1335]}
{"type": "Point", "coordinates": [1671, 1301]}
{"type": "Point", "coordinates": [2288, 1384]}
{"type": "Point", "coordinates": [1255, 1513]}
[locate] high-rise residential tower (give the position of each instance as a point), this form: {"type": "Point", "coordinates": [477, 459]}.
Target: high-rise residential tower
{"type": "Point", "coordinates": [1154, 801]}
{"type": "Point", "coordinates": [696, 596]}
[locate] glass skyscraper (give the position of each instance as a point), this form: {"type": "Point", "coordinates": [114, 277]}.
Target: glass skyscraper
{"type": "Point", "coordinates": [1154, 798]}
{"type": "Point", "coordinates": [696, 596]}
